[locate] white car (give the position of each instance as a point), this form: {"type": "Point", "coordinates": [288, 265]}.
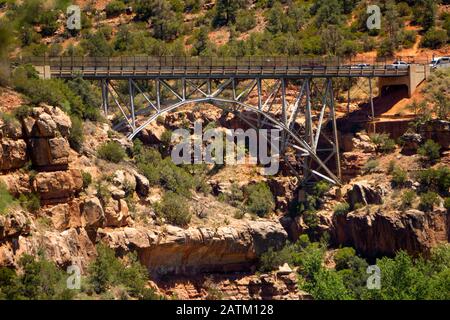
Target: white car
{"type": "Point", "coordinates": [440, 62]}
{"type": "Point", "coordinates": [398, 65]}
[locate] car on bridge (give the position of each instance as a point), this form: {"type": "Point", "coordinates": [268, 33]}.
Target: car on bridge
{"type": "Point", "coordinates": [398, 64]}
{"type": "Point", "coordinates": [440, 62]}
{"type": "Point", "coordinates": [361, 66]}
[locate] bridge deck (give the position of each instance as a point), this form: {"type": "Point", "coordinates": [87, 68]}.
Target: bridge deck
{"type": "Point", "coordinates": [207, 67]}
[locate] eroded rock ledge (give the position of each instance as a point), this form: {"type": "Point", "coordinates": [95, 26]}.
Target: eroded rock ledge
{"type": "Point", "coordinates": [196, 250]}
{"type": "Point", "coordinates": [384, 233]}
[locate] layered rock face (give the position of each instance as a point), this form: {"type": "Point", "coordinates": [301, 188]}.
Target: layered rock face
{"type": "Point", "coordinates": [384, 233]}
{"type": "Point", "coordinates": [196, 250]}
{"type": "Point", "coordinates": [13, 148]}
{"type": "Point", "coordinates": [272, 286]}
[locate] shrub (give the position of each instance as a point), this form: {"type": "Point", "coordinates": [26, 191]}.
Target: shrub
{"type": "Point", "coordinates": [399, 177]}
{"type": "Point", "coordinates": [407, 198]}
{"type": "Point", "coordinates": [245, 20]}
{"type": "Point", "coordinates": [447, 203]}
{"type": "Point", "coordinates": [40, 279]}
{"type": "Point", "coordinates": [6, 199]}
{"type": "Point", "coordinates": [428, 200]}
{"type": "Point", "coordinates": [341, 208]}
{"type": "Point", "coordinates": [343, 258]}
{"type": "Point", "coordinates": [391, 166]}
{"type": "Point", "coordinates": [260, 199]}
{"type": "Point", "coordinates": [383, 142]}
{"type": "Point", "coordinates": [434, 38]}
{"type": "Point", "coordinates": [76, 137]}
{"type": "Point", "coordinates": [371, 166]}
{"type": "Point", "coordinates": [435, 179]}
{"type": "Point", "coordinates": [429, 150]}
{"type": "Point", "coordinates": [111, 151]}
{"type": "Point", "coordinates": [272, 259]}
{"type": "Point", "coordinates": [115, 8]}
{"type": "Point", "coordinates": [87, 179]}
{"type": "Point", "coordinates": [31, 202]}
{"type": "Point", "coordinates": [174, 209]}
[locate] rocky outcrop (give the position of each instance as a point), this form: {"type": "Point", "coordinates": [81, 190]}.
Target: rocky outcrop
{"type": "Point", "coordinates": [385, 232]}
{"type": "Point", "coordinates": [283, 189]}
{"type": "Point", "coordinates": [195, 250]}
{"type": "Point", "coordinates": [268, 286]}
{"type": "Point", "coordinates": [410, 142]}
{"type": "Point", "coordinates": [13, 224]}
{"type": "Point", "coordinates": [71, 246]}
{"type": "Point", "coordinates": [352, 164]}
{"type": "Point", "coordinates": [437, 130]}
{"type": "Point", "coordinates": [364, 193]}
{"type": "Point", "coordinates": [47, 129]}
{"type": "Point", "coordinates": [13, 149]}
{"type": "Point", "coordinates": [59, 185]}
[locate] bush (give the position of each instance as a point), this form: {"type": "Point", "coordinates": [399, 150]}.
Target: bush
{"type": "Point", "coordinates": [371, 166]}
{"type": "Point", "coordinates": [430, 150]}
{"type": "Point", "coordinates": [428, 200]}
{"type": "Point", "coordinates": [76, 137]}
{"type": "Point", "coordinates": [30, 202]}
{"type": "Point", "coordinates": [260, 199]}
{"type": "Point", "coordinates": [114, 8]}
{"type": "Point", "coordinates": [383, 142]}
{"type": "Point", "coordinates": [435, 179]}
{"type": "Point", "coordinates": [434, 38]}
{"type": "Point", "coordinates": [39, 279]}
{"type": "Point", "coordinates": [111, 151]}
{"type": "Point", "coordinates": [107, 271]}
{"type": "Point", "coordinates": [245, 20]}
{"type": "Point", "coordinates": [407, 198]}
{"type": "Point", "coordinates": [272, 259]}
{"type": "Point", "coordinates": [174, 209]}
{"type": "Point", "coordinates": [447, 203]}
{"type": "Point", "coordinates": [87, 179]}
{"type": "Point", "coordinates": [6, 199]}
{"type": "Point", "coordinates": [399, 177]}
{"type": "Point", "coordinates": [343, 258]}
{"type": "Point", "coordinates": [341, 208]}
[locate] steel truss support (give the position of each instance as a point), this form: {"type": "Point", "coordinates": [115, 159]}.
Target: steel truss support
{"type": "Point", "coordinates": [306, 146]}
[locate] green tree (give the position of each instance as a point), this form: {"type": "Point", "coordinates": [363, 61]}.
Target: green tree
{"type": "Point", "coordinates": [259, 199]}
{"type": "Point", "coordinates": [174, 209]}
{"type": "Point", "coordinates": [225, 12]}
{"type": "Point", "coordinates": [111, 151]}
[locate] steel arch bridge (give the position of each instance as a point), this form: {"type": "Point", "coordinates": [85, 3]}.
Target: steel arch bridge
{"type": "Point", "coordinates": [256, 89]}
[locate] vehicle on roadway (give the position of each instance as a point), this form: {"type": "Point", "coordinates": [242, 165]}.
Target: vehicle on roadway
{"type": "Point", "coordinates": [440, 62]}
{"type": "Point", "coordinates": [398, 64]}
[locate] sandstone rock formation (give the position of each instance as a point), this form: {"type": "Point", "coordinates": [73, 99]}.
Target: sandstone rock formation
{"type": "Point", "coordinates": [195, 250]}
{"type": "Point", "coordinates": [384, 233]}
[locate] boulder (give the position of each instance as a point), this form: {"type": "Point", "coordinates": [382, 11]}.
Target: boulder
{"type": "Point", "coordinates": [362, 192]}
{"type": "Point", "coordinates": [13, 154]}
{"type": "Point", "coordinates": [13, 224]}
{"type": "Point", "coordinates": [58, 185]}
{"type": "Point", "coordinates": [65, 215]}
{"type": "Point", "coordinates": [124, 180]}
{"type": "Point", "coordinates": [411, 142]}
{"type": "Point", "coordinates": [142, 185]}
{"type": "Point", "coordinates": [116, 213]}
{"type": "Point", "coordinates": [93, 216]}
{"type": "Point", "coordinates": [50, 152]}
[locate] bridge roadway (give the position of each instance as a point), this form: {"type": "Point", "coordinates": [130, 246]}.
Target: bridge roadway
{"type": "Point", "coordinates": [147, 67]}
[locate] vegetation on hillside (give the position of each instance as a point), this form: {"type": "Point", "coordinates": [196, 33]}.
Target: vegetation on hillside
{"type": "Point", "coordinates": [402, 277]}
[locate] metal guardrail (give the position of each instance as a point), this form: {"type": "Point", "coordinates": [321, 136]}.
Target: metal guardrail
{"type": "Point", "coordinates": [98, 67]}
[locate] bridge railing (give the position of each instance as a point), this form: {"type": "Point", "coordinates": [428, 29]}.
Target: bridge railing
{"type": "Point", "coordinates": [151, 62]}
